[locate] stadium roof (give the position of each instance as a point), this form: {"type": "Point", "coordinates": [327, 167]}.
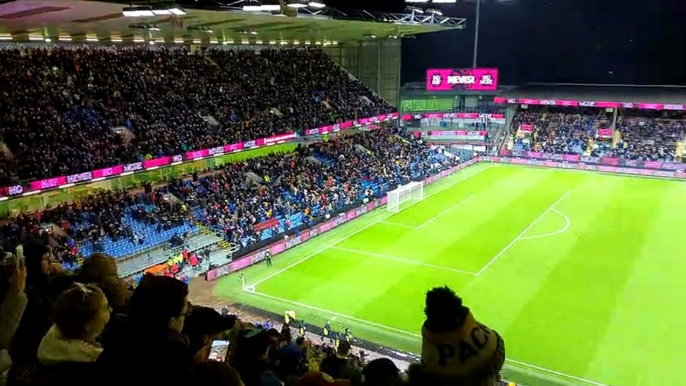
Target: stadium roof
{"type": "Point", "coordinates": [91, 21]}
{"type": "Point", "coordinates": [604, 93]}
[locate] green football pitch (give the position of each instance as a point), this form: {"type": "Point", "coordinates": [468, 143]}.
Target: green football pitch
{"type": "Point", "coordinates": [583, 274]}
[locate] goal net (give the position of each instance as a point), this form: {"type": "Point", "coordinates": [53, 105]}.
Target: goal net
{"type": "Point", "coordinates": [414, 191]}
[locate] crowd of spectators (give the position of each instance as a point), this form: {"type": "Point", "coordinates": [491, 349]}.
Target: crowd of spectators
{"type": "Point", "coordinates": [305, 186]}
{"type": "Point", "coordinates": [558, 131]}
{"type": "Point", "coordinates": [648, 137]}
{"type": "Point", "coordinates": [92, 221]}
{"type": "Point", "coordinates": [248, 201]}
{"type": "Point", "coordinates": [89, 327]}
{"type": "Point", "coordinates": [62, 104]}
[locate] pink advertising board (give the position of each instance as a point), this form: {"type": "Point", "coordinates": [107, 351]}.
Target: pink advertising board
{"type": "Point", "coordinates": [465, 79]}
{"type": "Point", "coordinates": [605, 133]}
{"type": "Point", "coordinates": [582, 166]}
{"type": "Point", "coordinates": [601, 104]}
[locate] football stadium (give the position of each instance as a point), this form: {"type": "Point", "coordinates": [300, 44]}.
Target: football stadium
{"type": "Point", "coordinates": [256, 193]}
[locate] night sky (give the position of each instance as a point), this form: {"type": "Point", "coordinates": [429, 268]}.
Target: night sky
{"type": "Point", "coordinates": [571, 41]}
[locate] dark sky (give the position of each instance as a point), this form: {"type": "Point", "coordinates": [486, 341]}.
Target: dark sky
{"type": "Point", "coordinates": [577, 41]}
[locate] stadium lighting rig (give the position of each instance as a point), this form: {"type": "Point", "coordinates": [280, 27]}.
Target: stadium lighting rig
{"type": "Point", "coordinates": [431, 1]}
{"type": "Point", "coordinates": [147, 11]}
{"type": "Point", "coordinates": [275, 5]}
{"type": "Point", "coordinates": [295, 4]}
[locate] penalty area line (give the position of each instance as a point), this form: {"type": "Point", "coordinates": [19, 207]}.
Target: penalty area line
{"type": "Point", "coordinates": [401, 260]}
{"type": "Point", "coordinates": [519, 237]}
{"type": "Point", "coordinates": [563, 230]}
{"type": "Point", "coordinates": [429, 221]}
{"type": "Point", "coordinates": [414, 336]}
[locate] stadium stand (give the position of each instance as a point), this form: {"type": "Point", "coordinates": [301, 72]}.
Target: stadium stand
{"type": "Point", "coordinates": [260, 198]}
{"type": "Point", "coordinates": [75, 109]}
{"type": "Point", "coordinates": [118, 223]}
{"type": "Point", "coordinates": [634, 136]}
{"type": "Point", "coordinates": [246, 202]}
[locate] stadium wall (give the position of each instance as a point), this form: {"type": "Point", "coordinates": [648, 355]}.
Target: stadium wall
{"type": "Point", "coordinates": [375, 63]}
{"type": "Point", "coordinates": [286, 244]}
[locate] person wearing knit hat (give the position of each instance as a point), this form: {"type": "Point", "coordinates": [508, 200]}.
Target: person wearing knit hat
{"type": "Point", "coordinates": [456, 348]}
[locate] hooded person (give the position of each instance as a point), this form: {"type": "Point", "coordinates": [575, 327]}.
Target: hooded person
{"type": "Point", "coordinates": [456, 348]}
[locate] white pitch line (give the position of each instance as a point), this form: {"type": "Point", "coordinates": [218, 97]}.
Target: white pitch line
{"type": "Point", "coordinates": [401, 260]}
{"type": "Point", "coordinates": [286, 268]}
{"type": "Point", "coordinates": [519, 237]}
{"type": "Point", "coordinates": [405, 334]}
{"type": "Point", "coordinates": [413, 336]}
{"type": "Point", "coordinates": [397, 224]}
{"type": "Point", "coordinates": [543, 369]}
{"type": "Point", "coordinates": [315, 253]}
{"type": "Point", "coordinates": [569, 222]}
{"type": "Point", "coordinates": [444, 212]}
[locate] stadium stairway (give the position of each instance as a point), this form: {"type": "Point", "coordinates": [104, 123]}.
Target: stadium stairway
{"type": "Point", "coordinates": [136, 264]}
{"type": "Point", "coordinates": [204, 229]}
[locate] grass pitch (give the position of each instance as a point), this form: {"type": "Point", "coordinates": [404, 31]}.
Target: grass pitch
{"type": "Point", "coordinates": [583, 274]}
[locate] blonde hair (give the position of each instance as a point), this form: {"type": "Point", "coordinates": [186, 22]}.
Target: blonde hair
{"type": "Point", "coordinates": [76, 310]}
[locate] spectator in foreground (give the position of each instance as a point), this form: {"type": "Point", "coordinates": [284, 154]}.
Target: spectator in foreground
{"type": "Point", "coordinates": [204, 325]}
{"type": "Point", "coordinates": [14, 302]}
{"type": "Point", "coordinates": [44, 282]}
{"type": "Point", "coordinates": [293, 355]}
{"type": "Point", "coordinates": [252, 361]}
{"type": "Point", "coordinates": [101, 269]}
{"type": "Point", "coordinates": [339, 366]}
{"type": "Point", "coordinates": [381, 372]}
{"type": "Point", "coordinates": [216, 374]}
{"type": "Point", "coordinates": [456, 349]}
{"type": "Point", "coordinates": [150, 349]}
{"type": "Point", "coordinates": [69, 350]}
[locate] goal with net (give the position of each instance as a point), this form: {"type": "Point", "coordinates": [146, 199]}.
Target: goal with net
{"type": "Point", "coordinates": [414, 191]}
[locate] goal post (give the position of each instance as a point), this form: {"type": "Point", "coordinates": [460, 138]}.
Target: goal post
{"type": "Point", "coordinates": [414, 191]}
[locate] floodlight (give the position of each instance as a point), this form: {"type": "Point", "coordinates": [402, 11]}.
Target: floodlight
{"type": "Point", "coordinates": [296, 4]}
{"type": "Point", "coordinates": [416, 1]}
{"type": "Point", "coordinates": [411, 8]}
{"type": "Point", "coordinates": [316, 4]}
{"type": "Point", "coordinates": [177, 11]}
{"type": "Point", "coordinates": [137, 12]}
{"type": "Point", "coordinates": [434, 11]}
{"type": "Point", "coordinates": [445, 1]}
{"type": "Point", "coordinates": [129, 12]}
{"type": "Point", "coordinates": [270, 7]}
